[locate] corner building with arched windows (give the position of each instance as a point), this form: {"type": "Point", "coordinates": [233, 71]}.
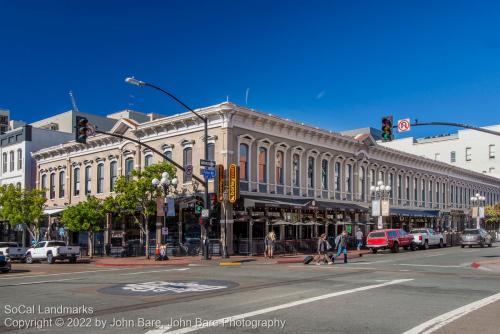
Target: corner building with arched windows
{"type": "Point", "coordinates": [295, 179]}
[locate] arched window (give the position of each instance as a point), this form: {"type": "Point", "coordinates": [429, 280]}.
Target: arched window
{"type": "Point", "coordinates": [422, 189]}
{"type": "Point", "coordinates": [52, 185]}
{"type": "Point", "coordinates": [100, 178]}
{"type": "Point", "coordinates": [400, 188]}
{"type": "Point", "coordinates": [148, 160]}
{"type": "Point", "coordinates": [243, 162]}
{"type": "Point", "coordinates": [348, 181]}
{"type": "Point", "coordinates": [11, 157]}
{"type": "Point", "coordinates": [324, 174]}
{"type": "Point", "coordinates": [443, 194]}
{"type": "Point", "coordinates": [168, 154]}
{"type": "Point", "coordinates": [430, 192]}
{"type": "Point", "coordinates": [129, 167]}
{"type": "Point", "coordinates": [211, 151]}
{"type": "Point", "coordinates": [19, 159]}
{"type": "Point", "coordinates": [407, 186]}
{"type": "Point", "coordinates": [4, 162]}
{"type": "Point", "coordinates": [310, 173]}
{"type": "Point", "coordinates": [296, 174]}
{"type": "Point", "coordinates": [279, 168]}
{"type": "Point", "coordinates": [362, 183]}
{"type": "Point", "coordinates": [296, 170]}
{"type": "Point", "coordinates": [88, 180]}
{"type": "Point", "coordinates": [76, 182]}
{"type": "Point", "coordinates": [381, 176]}
{"type": "Point", "coordinates": [187, 160]}
{"type": "Point", "coordinates": [391, 184]}
{"type": "Point", "coordinates": [337, 180]}
{"type": "Point", "coordinates": [373, 179]}
{"type": "Point", "coordinates": [113, 174]}
{"type": "Point", "coordinates": [262, 169]}
{"type": "Point", "coordinates": [62, 184]}
{"type": "Point", "coordinates": [43, 185]}
{"type": "Point", "coordinates": [415, 191]}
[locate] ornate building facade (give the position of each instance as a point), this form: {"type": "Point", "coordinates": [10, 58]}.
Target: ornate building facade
{"type": "Point", "coordinates": [296, 179]}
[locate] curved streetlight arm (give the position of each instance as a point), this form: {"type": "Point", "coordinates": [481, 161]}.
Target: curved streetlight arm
{"type": "Point", "coordinates": [204, 119]}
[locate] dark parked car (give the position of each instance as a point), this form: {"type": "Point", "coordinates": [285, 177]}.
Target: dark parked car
{"type": "Point", "coordinates": [4, 264]}
{"type": "Point", "coordinates": [476, 236]}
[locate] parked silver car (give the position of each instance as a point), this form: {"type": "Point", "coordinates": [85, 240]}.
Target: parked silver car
{"type": "Point", "coordinates": [476, 236]}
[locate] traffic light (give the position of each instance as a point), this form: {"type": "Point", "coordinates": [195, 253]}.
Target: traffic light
{"type": "Point", "coordinates": [82, 129]}
{"type": "Point", "coordinates": [387, 128]}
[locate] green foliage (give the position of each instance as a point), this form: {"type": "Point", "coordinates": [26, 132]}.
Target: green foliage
{"type": "Point", "coordinates": [22, 206]}
{"type": "Point", "coordinates": [85, 216]}
{"type": "Point", "coordinates": [136, 194]}
{"type": "Point", "coordinates": [492, 213]}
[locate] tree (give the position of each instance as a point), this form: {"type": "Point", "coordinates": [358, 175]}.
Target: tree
{"type": "Point", "coordinates": [85, 216]}
{"type": "Point", "coordinates": [492, 213]}
{"type": "Point", "coordinates": [21, 206]}
{"type": "Point", "coordinates": [136, 197]}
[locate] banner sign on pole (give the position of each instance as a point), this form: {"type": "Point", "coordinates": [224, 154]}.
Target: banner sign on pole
{"type": "Point", "coordinates": [474, 212]}
{"type": "Point", "coordinates": [384, 208]}
{"type": "Point", "coordinates": [376, 208]}
{"type": "Point", "coordinates": [234, 180]}
{"type": "Point", "coordinates": [170, 207]}
{"type": "Point", "coordinates": [160, 207]}
{"type": "Point", "coordinates": [481, 212]}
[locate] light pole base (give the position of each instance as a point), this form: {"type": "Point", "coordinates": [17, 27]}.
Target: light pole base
{"type": "Point", "coordinates": [225, 254]}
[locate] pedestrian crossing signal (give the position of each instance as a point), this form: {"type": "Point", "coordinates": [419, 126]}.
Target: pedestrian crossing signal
{"type": "Point", "coordinates": [387, 128]}
{"type": "Point", "coordinates": [82, 129]}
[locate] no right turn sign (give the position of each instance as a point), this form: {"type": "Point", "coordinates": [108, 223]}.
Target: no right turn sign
{"type": "Point", "coordinates": [404, 125]}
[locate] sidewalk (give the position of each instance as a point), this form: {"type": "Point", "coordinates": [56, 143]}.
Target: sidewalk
{"type": "Point", "coordinates": [197, 260]}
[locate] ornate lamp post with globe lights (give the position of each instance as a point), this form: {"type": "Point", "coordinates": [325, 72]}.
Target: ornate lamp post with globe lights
{"type": "Point", "coordinates": [478, 202]}
{"type": "Point", "coordinates": [380, 202]}
{"type": "Point", "coordinates": [166, 186]}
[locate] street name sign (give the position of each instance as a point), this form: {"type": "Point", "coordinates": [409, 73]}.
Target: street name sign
{"type": "Point", "coordinates": [208, 173]}
{"type": "Point", "coordinates": [207, 163]}
{"type": "Point", "coordinates": [376, 208]}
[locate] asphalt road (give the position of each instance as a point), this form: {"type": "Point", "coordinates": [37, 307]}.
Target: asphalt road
{"type": "Point", "coordinates": [411, 292]}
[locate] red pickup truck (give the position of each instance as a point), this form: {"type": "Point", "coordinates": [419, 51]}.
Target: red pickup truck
{"type": "Point", "coordinates": [391, 239]}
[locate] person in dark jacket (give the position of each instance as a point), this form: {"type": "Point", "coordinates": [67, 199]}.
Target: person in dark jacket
{"type": "Point", "coordinates": [342, 246]}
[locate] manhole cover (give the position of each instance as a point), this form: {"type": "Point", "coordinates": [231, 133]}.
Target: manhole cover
{"type": "Point", "coordinates": [167, 287]}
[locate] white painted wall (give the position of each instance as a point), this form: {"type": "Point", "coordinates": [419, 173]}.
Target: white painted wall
{"type": "Point", "coordinates": [440, 149]}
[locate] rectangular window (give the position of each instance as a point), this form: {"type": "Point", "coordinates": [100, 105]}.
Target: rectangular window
{"type": "Point", "coordinates": [11, 157]}
{"type": "Point", "coordinates": [4, 162]}
{"type": "Point", "coordinates": [211, 151]}
{"type": "Point", "coordinates": [187, 161]}
{"type": "Point", "coordinates": [468, 154]}
{"type": "Point", "coordinates": [453, 156]}
{"type": "Point", "coordinates": [88, 180]}
{"type": "Point", "coordinates": [113, 174]}
{"type": "Point", "coordinates": [491, 151]}
{"type": "Point", "coordinates": [62, 184]}
{"type": "Point", "coordinates": [19, 159]}
{"type": "Point", "coordinates": [52, 185]}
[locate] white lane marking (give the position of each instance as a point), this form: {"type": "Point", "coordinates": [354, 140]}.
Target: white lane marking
{"type": "Point", "coordinates": [425, 265]}
{"type": "Point", "coordinates": [154, 271]}
{"type": "Point", "coordinates": [439, 254]}
{"type": "Point", "coordinates": [225, 320]}
{"type": "Point", "coordinates": [444, 319]}
{"type": "Point", "coordinates": [69, 273]}
{"type": "Point", "coordinates": [332, 266]}
{"type": "Point", "coordinates": [42, 282]}
{"type": "Point", "coordinates": [160, 330]}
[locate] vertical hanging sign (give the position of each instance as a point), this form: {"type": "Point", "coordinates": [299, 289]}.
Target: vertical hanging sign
{"type": "Point", "coordinates": [219, 182]}
{"type": "Point", "coordinates": [233, 183]}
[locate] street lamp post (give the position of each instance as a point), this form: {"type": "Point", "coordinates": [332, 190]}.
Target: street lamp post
{"type": "Point", "coordinates": [167, 186]}
{"type": "Point", "coordinates": [380, 192]}
{"type": "Point", "coordinates": [133, 81]}
{"type": "Point", "coordinates": [478, 202]}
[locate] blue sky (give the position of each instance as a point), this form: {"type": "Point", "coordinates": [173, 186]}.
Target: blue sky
{"type": "Point", "coordinates": [334, 64]}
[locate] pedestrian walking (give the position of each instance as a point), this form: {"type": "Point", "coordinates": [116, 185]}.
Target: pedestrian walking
{"type": "Point", "coordinates": [341, 245]}
{"type": "Point", "coordinates": [359, 239]}
{"type": "Point", "coordinates": [269, 241]}
{"type": "Point", "coordinates": [323, 246]}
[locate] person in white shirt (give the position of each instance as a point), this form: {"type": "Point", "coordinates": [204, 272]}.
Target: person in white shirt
{"type": "Point", "coordinates": [359, 238]}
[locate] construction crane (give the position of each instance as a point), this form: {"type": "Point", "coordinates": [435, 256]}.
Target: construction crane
{"type": "Point", "coordinates": [73, 101]}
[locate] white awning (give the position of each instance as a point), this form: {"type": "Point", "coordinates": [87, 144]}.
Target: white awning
{"type": "Point", "coordinates": [52, 211]}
